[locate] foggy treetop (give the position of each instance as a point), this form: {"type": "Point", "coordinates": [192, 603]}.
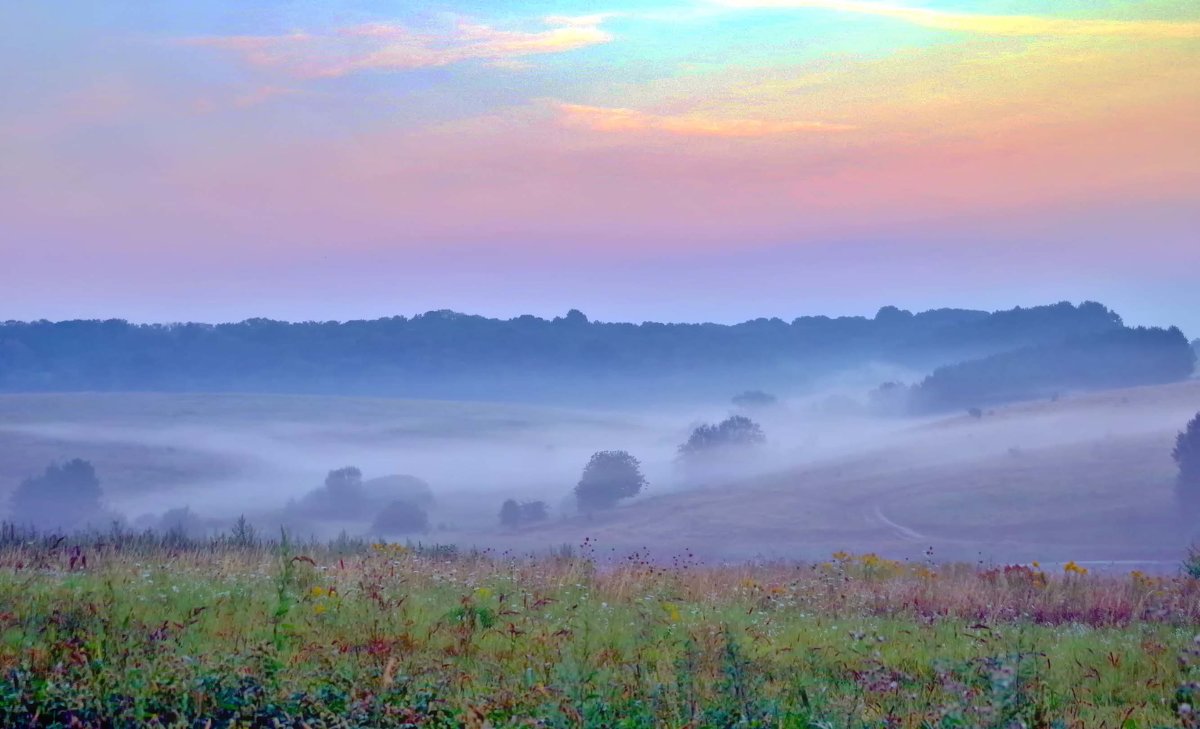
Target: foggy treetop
{"type": "Point", "coordinates": [447, 353]}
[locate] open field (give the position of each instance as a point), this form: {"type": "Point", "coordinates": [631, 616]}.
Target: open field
{"type": "Point", "coordinates": [122, 631]}
{"type": "Point", "coordinates": [1086, 478]}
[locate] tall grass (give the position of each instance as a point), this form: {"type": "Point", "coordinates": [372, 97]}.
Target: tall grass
{"type": "Point", "coordinates": [145, 629]}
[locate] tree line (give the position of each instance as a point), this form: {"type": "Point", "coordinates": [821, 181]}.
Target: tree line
{"type": "Point", "coordinates": [444, 353]}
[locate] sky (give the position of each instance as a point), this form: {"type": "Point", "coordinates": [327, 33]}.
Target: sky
{"type": "Point", "coordinates": [680, 160]}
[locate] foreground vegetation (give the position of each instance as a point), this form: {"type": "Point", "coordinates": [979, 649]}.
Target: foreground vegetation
{"type": "Point", "coordinates": [141, 630]}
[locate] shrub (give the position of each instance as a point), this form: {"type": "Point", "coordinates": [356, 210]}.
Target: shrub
{"type": "Point", "coordinates": [513, 514]}
{"type": "Point", "coordinates": [64, 496]}
{"type": "Point", "coordinates": [401, 517]}
{"type": "Point", "coordinates": [735, 432]}
{"type": "Point", "coordinates": [608, 477]}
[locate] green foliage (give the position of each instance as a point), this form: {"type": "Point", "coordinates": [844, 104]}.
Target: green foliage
{"type": "Point", "coordinates": [401, 636]}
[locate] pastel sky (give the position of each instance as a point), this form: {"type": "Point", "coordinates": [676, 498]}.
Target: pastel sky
{"type": "Point", "coordinates": [662, 159]}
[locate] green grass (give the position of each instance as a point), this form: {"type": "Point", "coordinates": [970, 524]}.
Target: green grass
{"type": "Point", "coordinates": [226, 635]}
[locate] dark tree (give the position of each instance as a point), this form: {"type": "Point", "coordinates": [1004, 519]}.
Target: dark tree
{"type": "Point", "coordinates": [733, 433]}
{"type": "Point", "coordinates": [65, 496]}
{"type": "Point", "coordinates": [401, 517]}
{"type": "Point", "coordinates": [510, 514]}
{"type": "Point", "coordinates": [1187, 457]}
{"type": "Point", "coordinates": [609, 477]}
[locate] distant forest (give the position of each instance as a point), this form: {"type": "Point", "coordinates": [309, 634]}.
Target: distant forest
{"type": "Point", "coordinates": [1118, 358]}
{"type": "Point", "coordinates": [447, 354]}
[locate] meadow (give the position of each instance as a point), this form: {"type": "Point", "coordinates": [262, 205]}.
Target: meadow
{"type": "Point", "coordinates": [140, 630]}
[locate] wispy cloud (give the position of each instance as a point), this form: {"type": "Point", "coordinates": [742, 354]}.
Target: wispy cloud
{"type": "Point", "coordinates": [389, 46]}
{"type": "Point", "coordinates": [1002, 25]}
{"type": "Point", "coordinates": [607, 119]}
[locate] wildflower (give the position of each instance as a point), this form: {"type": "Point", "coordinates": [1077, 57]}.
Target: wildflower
{"type": "Point", "coordinates": [672, 611]}
{"type": "Point", "coordinates": [842, 556]}
{"type": "Point", "coordinates": [1074, 569]}
{"type": "Point", "coordinates": [319, 609]}
{"type": "Point", "coordinates": [483, 593]}
{"type": "Point", "coordinates": [318, 592]}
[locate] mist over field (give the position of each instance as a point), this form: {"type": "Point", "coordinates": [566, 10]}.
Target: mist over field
{"type": "Point", "coordinates": [1030, 434]}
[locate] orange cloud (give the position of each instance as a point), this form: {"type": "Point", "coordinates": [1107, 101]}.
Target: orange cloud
{"type": "Point", "coordinates": [606, 119]}
{"type": "Point", "coordinates": [1003, 25]}
{"type": "Point", "coordinates": [387, 46]}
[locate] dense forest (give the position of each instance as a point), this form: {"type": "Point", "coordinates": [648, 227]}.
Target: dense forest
{"type": "Point", "coordinates": [1120, 358]}
{"type": "Point", "coordinates": [447, 354]}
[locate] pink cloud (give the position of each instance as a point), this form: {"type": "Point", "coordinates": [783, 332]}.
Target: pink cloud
{"type": "Point", "coordinates": [388, 46]}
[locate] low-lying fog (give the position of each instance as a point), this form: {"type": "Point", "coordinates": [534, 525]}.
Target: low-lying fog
{"type": "Point", "coordinates": [228, 455]}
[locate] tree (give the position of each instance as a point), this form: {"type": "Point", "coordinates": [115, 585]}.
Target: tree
{"type": "Point", "coordinates": [401, 517]}
{"type": "Point", "coordinates": [399, 487]}
{"type": "Point", "coordinates": [1187, 457]}
{"type": "Point", "coordinates": [608, 477]}
{"type": "Point", "coordinates": [343, 482]}
{"type": "Point", "coordinates": [342, 497]}
{"type": "Point", "coordinates": [510, 514]}
{"type": "Point", "coordinates": [65, 496]}
{"type": "Point", "coordinates": [735, 432]}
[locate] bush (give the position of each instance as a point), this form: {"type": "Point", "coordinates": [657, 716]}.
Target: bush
{"type": "Point", "coordinates": [514, 515]}
{"type": "Point", "coordinates": [64, 497]}
{"type": "Point", "coordinates": [608, 477]}
{"type": "Point", "coordinates": [401, 517]}
{"type": "Point", "coordinates": [735, 432]}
